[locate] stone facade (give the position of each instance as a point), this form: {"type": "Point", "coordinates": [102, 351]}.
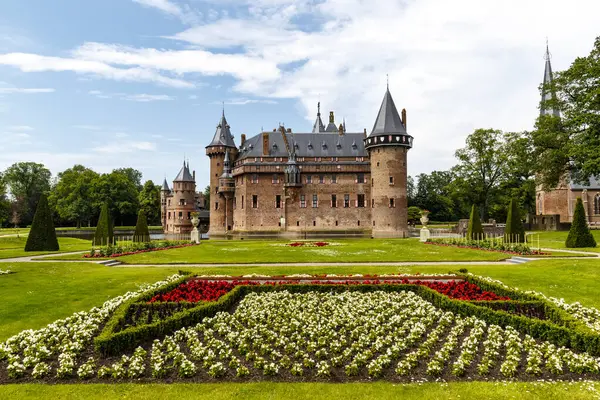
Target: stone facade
{"type": "Point", "coordinates": [329, 180]}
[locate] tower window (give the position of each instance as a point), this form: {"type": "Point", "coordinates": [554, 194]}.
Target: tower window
{"type": "Point", "coordinates": [189, 215]}
{"type": "Point", "coordinates": [346, 200]}
{"type": "Point", "coordinates": [254, 201]}
{"type": "Point", "coordinates": [216, 205]}
{"type": "Point", "coordinates": [378, 163]}
{"type": "Point", "coordinates": [315, 201]}
{"type": "Point", "coordinates": [321, 179]}
{"type": "Point", "coordinates": [278, 201]}
{"type": "Point", "coordinates": [360, 200]}
{"type": "Point", "coordinates": [392, 203]}
{"type": "Point", "coordinates": [254, 178]}
{"type": "Point", "coordinates": [372, 203]}
{"type": "Point", "coordinates": [333, 178]}
{"type": "Point", "coordinates": [242, 202]}
{"type": "Point", "coordinates": [180, 215]}
{"type": "Point", "coordinates": [302, 201]}
{"type": "Point", "coordinates": [216, 190]}
{"type": "Point", "coordinates": [297, 223]}
{"type": "Point", "coordinates": [336, 223]}
{"type": "Point", "coordinates": [391, 180]}
{"type": "Point", "coordinates": [314, 223]}
{"type": "Point", "coordinates": [333, 201]}
{"type": "Point", "coordinates": [182, 202]}
{"type": "Point", "coordinates": [308, 179]}
{"type": "Point", "coordinates": [358, 223]}
{"type": "Point", "coordinates": [360, 178]}
{"type": "Point", "coordinates": [169, 214]}
{"type": "Point", "coordinates": [275, 178]}
{"type": "Point", "coordinates": [169, 201]}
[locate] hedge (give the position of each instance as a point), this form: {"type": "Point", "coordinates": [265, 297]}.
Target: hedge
{"type": "Point", "coordinates": [514, 231]}
{"type": "Point", "coordinates": [141, 234]}
{"type": "Point", "coordinates": [474, 229]}
{"type": "Point", "coordinates": [42, 236]}
{"type": "Point", "coordinates": [104, 230]}
{"type": "Point", "coordinates": [579, 234]}
{"type": "Point", "coordinates": [570, 333]}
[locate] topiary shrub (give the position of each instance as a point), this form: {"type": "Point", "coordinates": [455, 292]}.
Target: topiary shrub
{"type": "Point", "coordinates": [579, 234]}
{"type": "Point", "coordinates": [474, 230]}
{"type": "Point", "coordinates": [141, 229]}
{"type": "Point", "coordinates": [514, 231]}
{"type": "Point", "coordinates": [104, 230]}
{"type": "Point", "coordinates": [42, 236]}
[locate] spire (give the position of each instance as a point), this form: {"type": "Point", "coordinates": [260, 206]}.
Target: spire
{"type": "Point", "coordinates": [318, 125]}
{"type": "Point", "coordinates": [184, 174]}
{"type": "Point", "coordinates": [547, 91]}
{"type": "Point", "coordinates": [226, 166]}
{"type": "Point", "coordinates": [223, 135]}
{"type": "Point", "coordinates": [165, 186]}
{"type": "Point", "coordinates": [388, 120]}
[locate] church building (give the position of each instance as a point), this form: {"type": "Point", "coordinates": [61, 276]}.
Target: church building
{"type": "Point", "coordinates": [328, 180]}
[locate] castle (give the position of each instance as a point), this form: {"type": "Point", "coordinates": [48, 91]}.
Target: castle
{"type": "Point", "coordinates": [328, 180]}
{"type": "Point", "coordinates": [556, 207]}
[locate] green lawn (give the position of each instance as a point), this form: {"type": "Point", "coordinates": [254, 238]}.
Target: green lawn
{"type": "Point", "coordinates": [339, 250]}
{"type": "Point", "coordinates": [13, 246]}
{"type": "Point", "coordinates": [556, 240]}
{"type": "Point", "coordinates": [272, 390]}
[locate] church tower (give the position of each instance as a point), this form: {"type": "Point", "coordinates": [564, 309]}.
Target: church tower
{"type": "Point", "coordinates": [221, 147]}
{"type": "Point", "coordinates": [388, 145]}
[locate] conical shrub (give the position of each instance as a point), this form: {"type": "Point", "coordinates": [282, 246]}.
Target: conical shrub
{"type": "Point", "coordinates": [579, 234]}
{"type": "Point", "coordinates": [42, 236]}
{"type": "Point", "coordinates": [514, 231]}
{"type": "Point", "coordinates": [474, 230]}
{"type": "Point", "coordinates": [142, 234]}
{"type": "Point", "coordinates": [104, 230]}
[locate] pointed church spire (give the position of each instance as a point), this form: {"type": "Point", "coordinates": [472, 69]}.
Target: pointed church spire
{"type": "Point", "coordinates": [547, 91]}
{"type": "Point", "coordinates": [318, 126]}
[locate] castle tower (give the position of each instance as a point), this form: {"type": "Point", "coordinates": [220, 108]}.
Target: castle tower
{"type": "Point", "coordinates": [164, 193]}
{"type": "Point", "coordinates": [221, 199]}
{"type": "Point", "coordinates": [183, 200]}
{"type": "Point", "coordinates": [388, 145]}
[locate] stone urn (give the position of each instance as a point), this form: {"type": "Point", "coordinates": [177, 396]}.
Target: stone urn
{"type": "Point", "coordinates": [424, 234]}
{"type": "Point", "coordinates": [195, 234]}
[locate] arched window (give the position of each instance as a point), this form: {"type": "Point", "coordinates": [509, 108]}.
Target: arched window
{"type": "Point", "coordinates": [597, 204]}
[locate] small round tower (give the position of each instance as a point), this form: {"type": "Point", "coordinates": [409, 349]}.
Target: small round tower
{"type": "Point", "coordinates": [388, 145]}
{"type": "Point", "coordinates": [183, 201]}
{"type": "Point", "coordinates": [221, 197]}
{"type": "Point", "coordinates": [164, 193]}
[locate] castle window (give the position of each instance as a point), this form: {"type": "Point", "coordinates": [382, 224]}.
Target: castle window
{"type": "Point", "coordinates": [336, 223]}
{"type": "Point", "coordinates": [372, 203]}
{"type": "Point", "coordinates": [182, 202]}
{"type": "Point", "coordinates": [315, 202]}
{"type": "Point", "coordinates": [378, 163]}
{"type": "Point", "coordinates": [358, 223]}
{"type": "Point", "coordinates": [308, 179]}
{"type": "Point", "coordinates": [597, 204]}
{"type": "Point", "coordinates": [169, 202]}
{"type": "Point", "coordinates": [314, 223]}
{"type": "Point", "coordinates": [189, 215]}
{"type": "Point", "coordinates": [333, 201]}
{"type": "Point", "coordinates": [254, 201]}
{"type": "Point", "coordinates": [391, 180]}
{"type": "Point", "coordinates": [360, 159]}
{"type": "Point", "coordinates": [346, 200]}
{"type": "Point", "coordinates": [360, 178]}
{"type": "Point", "coordinates": [333, 178]}
{"type": "Point", "coordinates": [180, 215]}
{"type": "Point", "coordinates": [392, 203]}
{"type": "Point", "coordinates": [254, 178]}
{"type": "Point", "coordinates": [321, 179]}
{"type": "Point", "coordinates": [297, 223]}
{"type": "Point", "coordinates": [278, 201]}
{"type": "Point", "coordinates": [275, 178]}
{"type": "Point", "coordinates": [216, 205]}
{"type": "Point", "coordinates": [169, 214]}
{"type": "Point", "coordinates": [360, 200]}
{"type": "Point", "coordinates": [216, 190]}
{"type": "Point", "coordinates": [302, 201]}
{"type": "Point", "coordinates": [242, 202]}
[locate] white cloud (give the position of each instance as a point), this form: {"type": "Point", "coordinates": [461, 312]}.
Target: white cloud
{"type": "Point", "coordinates": [20, 128]}
{"type": "Point", "coordinates": [243, 102]}
{"type": "Point", "coordinates": [185, 14]}
{"type": "Point", "coordinates": [11, 90]}
{"type": "Point", "coordinates": [145, 98]}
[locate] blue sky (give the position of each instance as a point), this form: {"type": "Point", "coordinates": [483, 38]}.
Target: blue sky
{"type": "Point", "coordinates": [140, 83]}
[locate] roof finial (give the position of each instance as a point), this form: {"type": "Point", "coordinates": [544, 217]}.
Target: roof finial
{"type": "Point", "coordinates": [319, 108]}
{"type": "Point", "coordinates": [547, 56]}
{"type": "Point", "coordinates": [223, 108]}
{"type": "Point", "coordinates": [387, 78]}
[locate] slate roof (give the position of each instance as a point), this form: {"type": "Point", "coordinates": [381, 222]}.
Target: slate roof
{"type": "Point", "coordinates": [388, 120]}
{"type": "Point", "coordinates": [306, 145]}
{"type": "Point", "coordinates": [594, 184]}
{"type": "Point", "coordinates": [318, 125]}
{"type": "Point", "coordinates": [548, 94]}
{"type": "Point", "coordinates": [223, 136]}
{"type": "Point", "coordinates": [165, 186]}
{"type": "Point", "coordinates": [184, 174]}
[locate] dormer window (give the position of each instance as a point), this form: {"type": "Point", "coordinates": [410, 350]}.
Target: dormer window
{"type": "Point", "coordinates": [310, 146]}
{"type": "Point", "coordinates": [324, 145]}
{"type": "Point", "coordinates": [354, 146]}
{"type": "Point", "coordinates": [275, 146]}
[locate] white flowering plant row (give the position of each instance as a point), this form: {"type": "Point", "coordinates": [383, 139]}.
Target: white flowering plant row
{"type": "Point", "coordinates": [299, 336]}
{"type": "Point", "coordinates": [6, 272]}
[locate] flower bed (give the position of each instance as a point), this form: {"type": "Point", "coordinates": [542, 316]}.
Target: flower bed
{"type": "Point", "coordinates": [489, 245]}
{"type": "Point", "coordinates": [135, 248]}
{"type": "Point", "coordinates": [204, 290]}
{"type": "Point", "coordinates": [308, 244]}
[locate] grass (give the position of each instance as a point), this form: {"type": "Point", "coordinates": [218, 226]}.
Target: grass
{"type": "Point", "coordinates": [273, 390]}
{"type": "Point", "coordinates": [556, 240]}
{"type": "Point", "coordinates": [11, 247]}
{"type": "Point", "coordinates": [339, 250]}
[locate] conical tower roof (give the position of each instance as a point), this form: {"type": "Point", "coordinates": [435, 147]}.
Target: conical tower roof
{"type": "Point", "coordinates": [547, 92]}
{"type": "Point", "coordinates": [184, 174]}
{"type": "Point", "coordinates": [318, 126]}
{"type": "Point", "coordinates": [165, 186]}
{"type": "Point", "coordinates": [388, 120]}
{"type": "Point", "coordinates": [223, 135]}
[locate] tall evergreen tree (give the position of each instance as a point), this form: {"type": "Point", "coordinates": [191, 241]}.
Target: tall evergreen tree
{"type": "Point", "coordinates": [104, 229]}
{"type": "Point", "coordinates": [42, 236]}
{"type": "Point", "coordinates": [475, 230]}
{"type": "Point", "coordinates": [141, 229]}
{"type": "Point", "coordinates": [514, 231]}
{"type": "Point", "coordinates": [579, 234]}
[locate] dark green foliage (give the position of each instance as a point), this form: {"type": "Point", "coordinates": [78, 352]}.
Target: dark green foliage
{"type": "Point", "coordinates": [559, 327]}
{"type": "Point", "coordinates": [514, 231]}
{"type": "Point", "coordinates": [104, 229]}
{"type": "Point", "coordinates": [475, 230]}
{"type": "Point", "coordinates": [141, 229]}
{"type": "Point", "coordinates": [42, 236]}
{"type": "Point", "coordinates": [580, 235]}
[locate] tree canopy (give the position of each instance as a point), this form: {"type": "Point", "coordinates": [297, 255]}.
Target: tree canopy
{"type": "Point", "coordinates": [26, 182]}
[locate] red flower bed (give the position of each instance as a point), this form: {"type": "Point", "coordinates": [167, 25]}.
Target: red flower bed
{"type": "Point", "coordinates": [203, 290]}
{"type": "Point", "coordinates": [308, 244]}
{"type": "Point", "coordinates": [129, 253]}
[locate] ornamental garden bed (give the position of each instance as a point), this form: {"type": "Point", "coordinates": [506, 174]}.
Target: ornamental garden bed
{"type": "Point", "coordinates": [135, 248]}
{"type": "Point", "coordinates": [495, 245]}
{"type": "Point", "coordinates": [312, 330]}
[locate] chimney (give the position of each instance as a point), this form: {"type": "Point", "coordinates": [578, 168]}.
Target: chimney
{"type": "Point", "coordinates": [404, 117]}
{"type": "Point", "coordinates": [194, 175]}
{"type": "Point", "coordinates": [365, 132]}
{"type": "Point", "coordinates": [265, 136]}
{"type": "Point", "coordinates": [243, 138]}
{"type": "Point", "coordinates": [341, 130]}
{"type": "Point", "coordinates": [289, 130]}
{"type": "Point", "coordinates": [331, 119]}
